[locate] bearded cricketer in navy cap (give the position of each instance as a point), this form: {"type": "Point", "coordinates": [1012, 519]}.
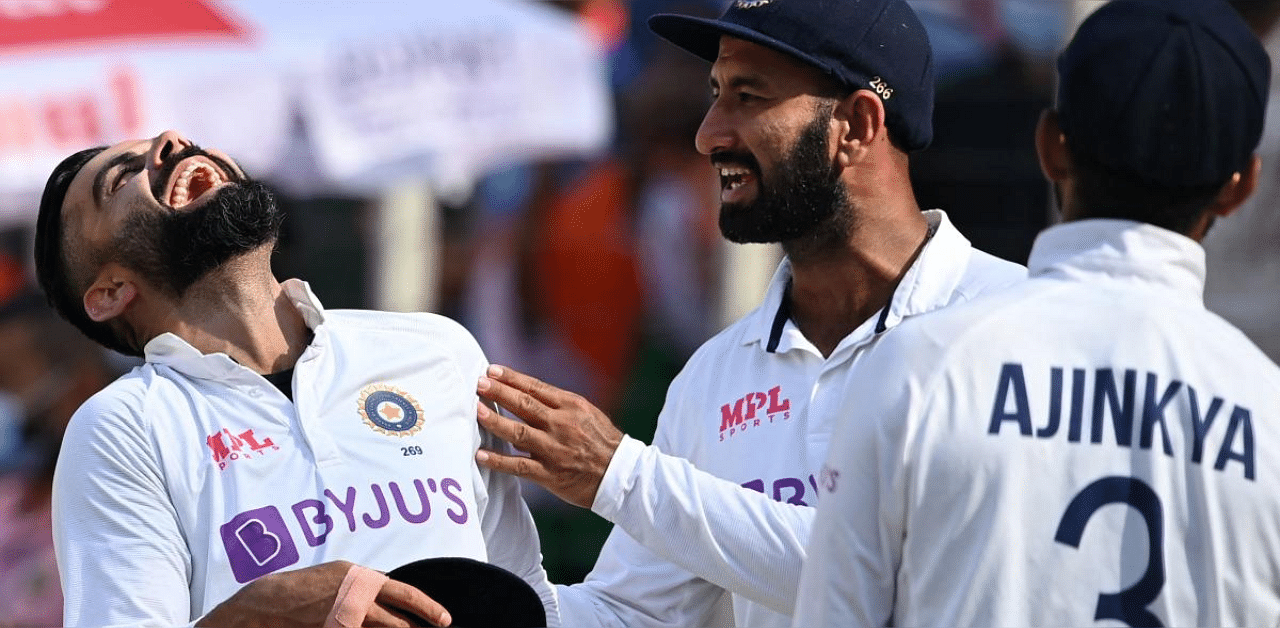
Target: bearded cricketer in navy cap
{"type": "Point", "coordinates": [816, 107]}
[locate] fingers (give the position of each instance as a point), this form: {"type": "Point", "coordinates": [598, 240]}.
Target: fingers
{"type": "Point", "coordinates": [521, 435]}
{"type": "Point", "coordinates": [409, 599]}
{"type": "Point", "coordinates": [380, 617]}
{"type": "Point", "coordinates": [514, 465]}
{"type": "Point", "coordinates": [527, 397]}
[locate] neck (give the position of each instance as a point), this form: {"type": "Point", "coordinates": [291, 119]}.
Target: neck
{"type": "Point", "coordinates": [839, 285]}
{"type": "Point", "coordinates": [241, 310]}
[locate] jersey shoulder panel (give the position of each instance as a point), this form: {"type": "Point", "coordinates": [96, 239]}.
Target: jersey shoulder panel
{"type": "Point", "coordinates": [985, 273]}
{"type": "Point", "coordinates": [394, 328]}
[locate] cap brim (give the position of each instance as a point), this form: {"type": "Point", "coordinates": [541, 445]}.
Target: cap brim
{"type": "Point", "coordinates": [701, 36]}
{"type": "Point", "coordinates": [476, 594]}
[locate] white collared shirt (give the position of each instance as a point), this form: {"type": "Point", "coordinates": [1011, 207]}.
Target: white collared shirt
{"type": "Point", "coordinates": [192, 475]}
{"type": "Point", "coordinates": [1027, 457]}
{"type": "Point", "coordinates": [753, 407]}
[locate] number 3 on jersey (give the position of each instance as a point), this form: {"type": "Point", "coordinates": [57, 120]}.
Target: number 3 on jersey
{"type": "Point", "coordinates": [1129, 605]}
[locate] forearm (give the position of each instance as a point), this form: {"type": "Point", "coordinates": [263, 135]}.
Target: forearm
{"type": "Point", "coordinates": [731, 536]}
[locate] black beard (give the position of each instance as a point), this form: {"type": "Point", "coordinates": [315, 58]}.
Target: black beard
{"type": "Point", "coordinates": [175, 249]}
{"type": "Point", "coordinates": [802, 200]}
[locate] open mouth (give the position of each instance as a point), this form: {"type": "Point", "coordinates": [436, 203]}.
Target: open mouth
{"type": "Point", "coordinates": [735, 182]}
{"type": "Point", "coordinates": [733, 177]}
{"type": "Point", "coordinates": [195, 179]}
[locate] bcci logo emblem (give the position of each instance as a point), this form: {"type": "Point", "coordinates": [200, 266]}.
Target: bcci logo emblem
{"type": "Point", "coordinates": [390, 410]}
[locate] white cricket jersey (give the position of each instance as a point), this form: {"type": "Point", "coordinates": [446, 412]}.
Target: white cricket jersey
{"type": "Point", "coordinates": [192, 475]}
{"type": "Point", "coordinates": [1089, 447]}
{"type": "Point", "coordinates": [752, 408]}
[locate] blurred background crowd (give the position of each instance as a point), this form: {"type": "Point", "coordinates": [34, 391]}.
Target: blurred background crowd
{"type": "Point", "coordinates": [602, 271]}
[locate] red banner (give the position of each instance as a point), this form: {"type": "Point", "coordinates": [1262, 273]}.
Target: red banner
{"type": "Point", "coordinates": [60, 23]}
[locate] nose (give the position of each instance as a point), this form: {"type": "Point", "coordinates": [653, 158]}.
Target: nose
{"type": "Point", "coordinates": [714, 133]}
{"type": "Point", "coordinates": [165, 145]}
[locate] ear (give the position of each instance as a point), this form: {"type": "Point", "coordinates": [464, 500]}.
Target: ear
{"type": "Point", "coordinates": [863, 115]}
{"type": "Point", "coordinates": [1051, 147]}
{"type": "Point", "coordinates": [110, 294]}
{"type": "Point", "coordinates": [1238, 189]}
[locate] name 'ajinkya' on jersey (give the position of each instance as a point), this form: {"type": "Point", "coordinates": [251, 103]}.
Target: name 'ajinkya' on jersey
{"type": "Point", "coordinates": [1091, 446]}
{"type": "Point", "coordinates": [753, 408]}
{"type": "Point", "coordinates": [192, 475]}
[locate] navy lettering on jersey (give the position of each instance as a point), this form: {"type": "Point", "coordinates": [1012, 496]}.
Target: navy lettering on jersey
{"type": "Point", "coordinates": [1114, 398]}
{"type": "Point", "coordinates": [1012, 382]}
{"type": "Point", "coordinates": [1153, 413]}
{"type": "Point", "coordinates": [1241, 424]}
{"type": "Point", "coordinates": [1105, 396]}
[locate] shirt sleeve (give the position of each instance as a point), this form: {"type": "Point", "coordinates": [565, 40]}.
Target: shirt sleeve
{"type": "Point", "coordinates": [510, 534]}
{"type": "Point", "coordinates": [631, 587]}
{"type": "Point", "coordinates": [121, 554]}
{"type": "Point", "coordinates": [727, 534]}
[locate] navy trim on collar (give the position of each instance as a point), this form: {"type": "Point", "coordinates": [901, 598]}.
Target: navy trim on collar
{"type": "Point", "coordinates": [882, 324]}
{"type": "Point", "coordinates": [780, 319]}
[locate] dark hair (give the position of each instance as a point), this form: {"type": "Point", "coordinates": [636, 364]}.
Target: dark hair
{"type": "Point", "coordinates": [52, 270]}
{"type": "Point", "coordinates": [1104, 192]}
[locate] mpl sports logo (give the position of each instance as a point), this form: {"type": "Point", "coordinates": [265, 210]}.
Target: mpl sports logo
{"type": "Point", "coordinates": [753, 410]}
{"type": "Point", "coordinates": [228, 447]}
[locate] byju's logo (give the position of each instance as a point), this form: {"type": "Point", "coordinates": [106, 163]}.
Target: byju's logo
{"type": "Point", "coordinates": [228, 447]}
{"type": "Point", "coordinates": [749, 410]}
{"type": "Point", "coordinates": [258, 543]}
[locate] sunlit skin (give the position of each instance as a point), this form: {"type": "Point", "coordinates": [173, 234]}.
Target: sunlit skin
{"type": "Point", "coordinates": [126, 186]}
{"type": "Point", "coordinates": [238, 309]}
{"type": "Point", "coordinates": [761, 100]}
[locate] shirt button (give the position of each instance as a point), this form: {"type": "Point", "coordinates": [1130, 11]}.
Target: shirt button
{"type": "Point", "coordinates": [255, 392]}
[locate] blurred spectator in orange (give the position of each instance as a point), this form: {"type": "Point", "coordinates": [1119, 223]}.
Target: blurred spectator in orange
{"type": "Point", "coordinates": [585, 272]}
{"type": "Point", "coordinates": [47, 369]}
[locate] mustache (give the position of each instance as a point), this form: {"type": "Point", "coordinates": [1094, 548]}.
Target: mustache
{"type": "Point", "coordinates": [171, 163]}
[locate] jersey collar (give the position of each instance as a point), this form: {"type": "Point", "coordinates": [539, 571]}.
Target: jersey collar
{"type": "Point", "coordinates": [1120, 249]}
{"type": "Point", "coordinates": [927, 285]}
{"type": "Point", "coordinates": [170, 350]}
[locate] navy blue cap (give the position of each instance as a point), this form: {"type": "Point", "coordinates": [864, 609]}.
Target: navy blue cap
{"type": "Point", "coordinates": [476, 594]}
{"type": "Point", "coordinates": [864, 44]}
{"type": "Point", "coordinates": [1172, 92]}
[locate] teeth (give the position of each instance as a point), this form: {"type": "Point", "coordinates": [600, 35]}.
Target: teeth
{"type": "Point", "coordinates": [179, 197]}
{"type": "Point", "coordinates": [733, 171]}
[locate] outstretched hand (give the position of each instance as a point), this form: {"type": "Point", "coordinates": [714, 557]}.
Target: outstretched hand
{"type": "Point", "coordinates": [304, 597]}
{"type": "Point", "coordinates": [569, 440]}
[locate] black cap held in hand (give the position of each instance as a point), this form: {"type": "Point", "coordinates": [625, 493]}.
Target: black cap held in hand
{"type": "Point", "coordinates": [476, 594]}
{"type": "Point", "coordinates": [1172, 92]}
{"type": "Point", "coordinates": [878, 45]}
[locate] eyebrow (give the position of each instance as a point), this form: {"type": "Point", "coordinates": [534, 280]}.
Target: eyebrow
{"type": "Point", "coordinates": [100, 179]}
{"type": "Point", "coordinates": [750, 80]}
